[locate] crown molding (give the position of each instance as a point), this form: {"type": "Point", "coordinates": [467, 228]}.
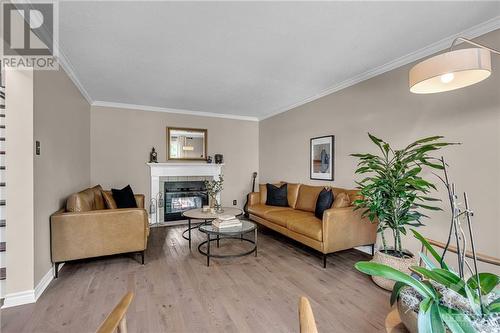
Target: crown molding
{"type": "Point", "coordinates": [62, 59]}
{"type": "Point", "coordinates": [475, 31]}
{"type": "Point", "coordinates": [169, 110]}
{"type": "Point", "coordinates": [68, 68]}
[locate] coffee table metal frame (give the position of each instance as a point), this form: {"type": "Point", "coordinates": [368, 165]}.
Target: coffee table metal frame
{"type": "Point", "coordinates": [221, 234]}
{"type": "Point", "coordinates": [206, 220]}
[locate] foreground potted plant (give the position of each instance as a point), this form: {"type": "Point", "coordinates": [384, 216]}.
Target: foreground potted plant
{"type": "Point", "coordinates": [393, 192]}
{"type": "Point", "coordinates": [435, 299]}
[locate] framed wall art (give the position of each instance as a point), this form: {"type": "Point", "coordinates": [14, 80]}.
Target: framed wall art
{"type": "Point", "coordinates": [322, 157]}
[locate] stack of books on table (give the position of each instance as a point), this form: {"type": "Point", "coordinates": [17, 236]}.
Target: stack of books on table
{"type": "Point", "coordinates": [226, 221]}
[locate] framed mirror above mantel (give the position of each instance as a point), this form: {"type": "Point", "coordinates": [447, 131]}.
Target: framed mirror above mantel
{"type": "Point", "coordinates": [186, 144]}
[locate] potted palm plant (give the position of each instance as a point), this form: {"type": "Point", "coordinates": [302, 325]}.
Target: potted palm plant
{"type": "Point", "coordinates": [393, 193]}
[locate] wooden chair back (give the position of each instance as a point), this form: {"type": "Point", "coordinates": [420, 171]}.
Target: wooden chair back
{"type": "Point", "coordinates": [117, 320]}
{"type": "Point", "coordinates": [306, 317]}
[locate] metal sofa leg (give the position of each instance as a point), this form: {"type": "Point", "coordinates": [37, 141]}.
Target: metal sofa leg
{"type": "Point", "coordinates": [142, 257]}
{"type": "Point", "coordinates": [373, 250]}
{"type": "Point", "coordinates": [56, 267]}
{"type": "Point", "coordinates": [324, 260]}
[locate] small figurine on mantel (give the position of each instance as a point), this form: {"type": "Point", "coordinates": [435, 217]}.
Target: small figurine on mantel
{"type": "Point", "coordinates": [219, 158]}
{"type": "Point", "coordinates": [153, 156]}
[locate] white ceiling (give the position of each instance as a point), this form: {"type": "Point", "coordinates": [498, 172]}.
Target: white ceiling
{"type": "Point", "coordinates": [244, 58]}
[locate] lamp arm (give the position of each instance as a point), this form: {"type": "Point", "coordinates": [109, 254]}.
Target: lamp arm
{"type": "Point", "coordinates": [472, 43]}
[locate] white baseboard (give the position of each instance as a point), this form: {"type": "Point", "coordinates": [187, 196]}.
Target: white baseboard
{"type": "Point", "coordinates": [20, 298]}
{"type": "Point", "coordinates": [30, 296]}
{"type": "Point", "coordinates": [366, 249]}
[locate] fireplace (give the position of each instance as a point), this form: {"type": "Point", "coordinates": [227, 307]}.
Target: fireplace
{"type": "Point", "coordinates": [189, 176]}
{"type": "Point", "coordinates": [181, 196]}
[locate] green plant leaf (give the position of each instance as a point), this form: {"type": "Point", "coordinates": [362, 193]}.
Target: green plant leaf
{"type": "Point", "coordinates": [457, 322]}
{"type": "Point", "coordinates": [423, 319]}
{"type": "Point", "coordinates": [396, 290]}
{"type": "Point", "coordinates": [429, 248]}
{"type": "Point", "coordinates": [487, 282]}
{"type": "Point", "coordinates": [376, 269]}
{"type": "Point", "coordinates": [494, 307]}
{"type": "Point", "coordinates": [376, 140]}
{"type": "Point", "coordinates": [437, 325]}
{"type": "Point", "coordinates": [473, 300]}
{"type": "Point", "coordinates": [443, 277]}
{"type": "Point", "coordinates": [429, 319]}
{"type": "Point", "coordinates": [428, 207]}
{"type": "Point", "coordinates": [428, 263]}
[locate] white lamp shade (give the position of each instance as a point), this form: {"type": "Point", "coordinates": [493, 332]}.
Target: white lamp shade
{"type": "Point", "coordinates": [450, 71]}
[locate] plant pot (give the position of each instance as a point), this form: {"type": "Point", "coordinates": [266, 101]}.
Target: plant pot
{"type": "Point", "coordinates": [400, 264]}
{"type": "Point", "coordinates": [408, 317]}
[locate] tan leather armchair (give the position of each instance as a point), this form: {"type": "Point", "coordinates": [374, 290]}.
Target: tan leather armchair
{"type": "Point", "coordinates": [86, 229]}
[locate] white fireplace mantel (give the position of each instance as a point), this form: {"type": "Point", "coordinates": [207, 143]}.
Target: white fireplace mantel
{"type": "Point", "coordinates": [184, 170]}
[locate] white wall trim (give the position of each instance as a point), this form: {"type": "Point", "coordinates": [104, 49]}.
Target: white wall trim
{"type": "Point", "coordinates": [68, 68]}
{"type": "Point", "coordinates": [20, 298]}
{"type": "Point", "coordinates": [30, 296]}
{"type": "Point", "coordinates": [169, 110]}
{"type": "Point", "coordinates": [365, 249]}
{"type": "Point", "coordinates": [475, 31]}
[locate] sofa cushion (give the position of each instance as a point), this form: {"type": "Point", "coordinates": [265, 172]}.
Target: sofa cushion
{"type": "Point", "coordinates": [307, 197]}
{"type": "Point", "coordinates": [293, 193]}
{"type": "Point", "coordinates": [108, 200]}
{"type": "Point", "coordinates": [283, 217]}
{"type": "Point", "coordinates": [324, 202]}
{"type": "Point", "coordinates": [124, 198]}
{"type": "Point", "coordinates": [341, 200]}
{"type": "Point", "coordinates": [311, 227]}
{"type": "Point", "coordinates": [263, 192]}
{"type": "Point", "coordinates": [261, 210]}
{"type": "Point", "coordinates": [82, 201]}
{"type": "Point", "coordinates": [276, 196]}
{"type": "Point", "coordinates": [98, 199]}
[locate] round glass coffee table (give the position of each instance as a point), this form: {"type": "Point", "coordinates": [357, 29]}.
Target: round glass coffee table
{"type": "Point", "coordinates": [228, 233]}
{"type": "Point", "coordinates": [199, 214]}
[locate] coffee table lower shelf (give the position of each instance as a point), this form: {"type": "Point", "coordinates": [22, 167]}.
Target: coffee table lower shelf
{"type": "Point", "coordinates": [216, 236]}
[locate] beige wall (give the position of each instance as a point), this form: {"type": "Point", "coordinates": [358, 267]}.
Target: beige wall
{"type": "Point", "coordinates": [121, 140]}
{"type": "Point", "coordinates": [62, 125]}
{"type": "Point", "coordinates": [19, 192]}
{"type": "Point", "coordinates": [385, 107]}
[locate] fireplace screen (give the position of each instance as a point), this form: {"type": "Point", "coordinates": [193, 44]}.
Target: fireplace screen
{"type": "Point", "coordinates": [182, 196]}
{"type": "Point", "coordinates": [184, 203]}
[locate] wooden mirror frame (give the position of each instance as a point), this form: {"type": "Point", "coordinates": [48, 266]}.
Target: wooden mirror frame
{"type": "Point", "coordinates": [201, 130]}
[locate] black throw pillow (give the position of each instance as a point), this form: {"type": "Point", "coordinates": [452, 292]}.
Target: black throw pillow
{"type": "Point", "coordinates": [277, 196]}
{"type": "Point", "coordinates": [124, 198]}
{"type": "Point", "coordinates": [324, 202]}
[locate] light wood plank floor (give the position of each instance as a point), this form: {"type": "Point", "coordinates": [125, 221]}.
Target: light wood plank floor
{"type": "Point", "coordinates": [176, 292]}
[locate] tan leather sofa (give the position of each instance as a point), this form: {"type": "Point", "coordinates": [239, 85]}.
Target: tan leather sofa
{"type": "Point", "coordinates": [86, 228]}
{"type": "Point", "coordinates": [341, 228]}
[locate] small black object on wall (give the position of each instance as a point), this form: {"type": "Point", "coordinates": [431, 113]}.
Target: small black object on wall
{"type": "Point", "coordinates": [209, 159]}
{"type": "Point", "coordinates": [219, 158]}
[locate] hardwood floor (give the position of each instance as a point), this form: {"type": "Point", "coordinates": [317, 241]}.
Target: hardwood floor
{"type": "Point", "coordinates": [176, 292]}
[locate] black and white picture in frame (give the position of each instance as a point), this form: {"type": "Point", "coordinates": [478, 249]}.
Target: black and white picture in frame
{"type": "Point", "coordinates": [321, 157]}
